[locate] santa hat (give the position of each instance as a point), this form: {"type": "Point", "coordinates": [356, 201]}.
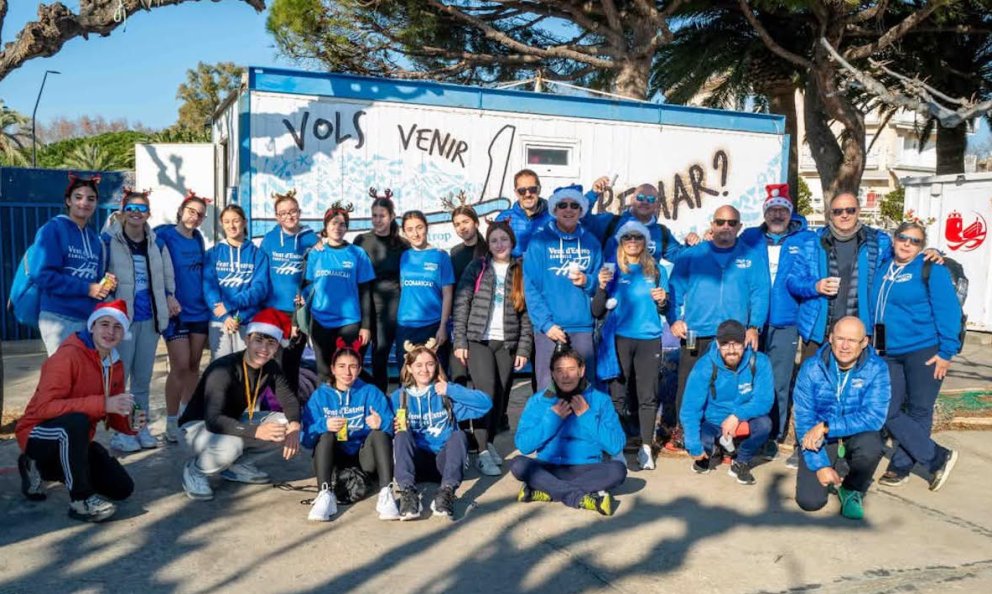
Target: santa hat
{"type": "Point", "coordinates": [271, 322]}
{"type": "Point", "coordinates": [574, 193]}
{"type": "Point", "coordinates": [112, 309]}
{"type": "Point", "coordinates": [778, 195]}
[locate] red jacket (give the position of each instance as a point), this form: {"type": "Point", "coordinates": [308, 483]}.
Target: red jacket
{"type": "Point", "coordinates": [72, 381]}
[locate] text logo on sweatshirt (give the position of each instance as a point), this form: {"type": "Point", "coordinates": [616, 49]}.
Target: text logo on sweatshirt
{"type": "Point", "coordinates": [86, 270]}
{"type": "Point", "coordinates": [567, 256]}
{"type": "Point", "coordinates": [743, 263]}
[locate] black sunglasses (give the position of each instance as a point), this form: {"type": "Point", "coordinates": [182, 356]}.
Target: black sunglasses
{"type": "Point", "coordinates": [523, 191]}
{"type": "Point", "coordinates": [631, 237]}
{"type": "Point", "coordinates": [850, 210]}
{"type": "Point", "coordinates": [725, 222]}
{"type": "Point", "coordinates": [913, 240]}
{"type": "Point", "coordinates": [571, 205]}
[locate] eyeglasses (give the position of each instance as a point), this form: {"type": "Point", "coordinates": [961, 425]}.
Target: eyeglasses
{"type": "Point", "coordinates": [194, 212]}
{"type": "Point", "coordinates": [142, 208]}
{"type": "Point", "coordinates": [569, 204]}
{"type": "Point", "coordinates": [650, 199]}
{"type": "Point", "coordinates": [288, 213]}
{"type": "Point", "coordinates": [913, 240]}
{"type": "Point", "coordinates": [631, 237]}
{"type": "Point", "coordinates": [523, 191]}
{"type": "Point", "coordinates": [725, 222]}
{"type": "Point", "coordinates": [731, 346]}
{"type": "Point", "coordinates": [850, 210]}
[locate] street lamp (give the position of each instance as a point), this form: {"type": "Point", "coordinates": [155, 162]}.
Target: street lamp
{"type": "Point", "coordinates": [34, 137]}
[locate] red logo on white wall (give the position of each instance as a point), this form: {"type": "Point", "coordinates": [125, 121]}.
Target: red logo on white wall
{"type": "Point", "coordinates": [964, 238]}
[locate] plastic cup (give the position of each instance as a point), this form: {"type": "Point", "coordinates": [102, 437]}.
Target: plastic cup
{"type": "Point", "coordinates": [690, 339]}
{"type": "Point", "coordinates": [573, 270]}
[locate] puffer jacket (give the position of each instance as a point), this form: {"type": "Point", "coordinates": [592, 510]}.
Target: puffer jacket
{"type": "Point", "coordinates": [161, 281]}
{"type": "Point", "coordinates": [525, 226]}
{"type": "Point", "coordinates": [783, 307]}
{"type": "Point", "coordinates": [474, 308]}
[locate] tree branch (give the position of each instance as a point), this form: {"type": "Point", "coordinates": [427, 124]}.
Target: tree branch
{"type": "Point", "coordinates": [894, 33]}
{"type": "Point", "coordinates": [770, 43]}
{"type": "Point", "coordinates": [868, 13]}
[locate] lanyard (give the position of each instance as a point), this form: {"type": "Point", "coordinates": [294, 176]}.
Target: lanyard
{"type": "Point", "coordinates": [888, 282]}
{"type": "Point", "coordinates": [107, 373]}
{"type": "Point", "coordinates": [251, 399]}
{"type": "Point", "coordinates": [843, 383]}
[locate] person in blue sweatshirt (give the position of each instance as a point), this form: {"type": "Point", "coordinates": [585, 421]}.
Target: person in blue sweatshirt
{"type": "Point", "coordinates": [630, 341]}
{"type": "Point", "coordinates": [285, 246]}
{"type": "Point", "coordinates": [235, 283]}
{"type": "Point", "coordinates": [560, 268]}
{"type": "Point", "coordinates": [917, 305]}
{"type": "Point", "coordinates": [529, 213]}
{"type": "Point", "coordinates": [345, 423]}
{"type": "Point", "coordinates": [186, 335]}
{"type": "Point", "coordinates": [841, 401]}
{"type": "Point", "coordinates": [716, 280]}
{"type": "Point", "coordinates": [68, 265]}
{"type": "Point", "coordinates": [728, 396]}
{"type": "Point", "coordinates": [775, 242]}
{"type": "Point", "coordinates": [337, 278]}
{"type": "Point", "coordinates": [427, 443]}
{"type": "Point", "coordinates": [571, 426]}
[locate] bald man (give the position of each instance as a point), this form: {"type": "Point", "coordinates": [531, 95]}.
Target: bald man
{"type": "Point", "coordinates": [841, 401]}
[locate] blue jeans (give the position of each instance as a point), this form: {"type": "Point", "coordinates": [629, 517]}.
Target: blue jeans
{"type": "Point", "coordinates": [445, 467]}
{"type": "Point", "coordinates": [780, 344]}
{"type": "Point", "coordinates": [746, 449]}
{"type": "Point", "coordinates": [55, 328]}
{"type": "Point", "coordinates": [544, 347]}
{"type": "Point", "coordinates": [568, 483]}
{"type": "Point", "coordinates": [910, 419]}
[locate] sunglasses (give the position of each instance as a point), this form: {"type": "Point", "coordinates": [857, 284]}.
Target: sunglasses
{"type": "Point", "coordinates": [725, 222]}
{"type": "Point", "coordinates": [646, 198]}
{"type": "Point", "coordinates": [913, 240]}
{"type": "Point", "coordinates": [850, 210]}
{"type": "Point", "coordinates": [142, 208]}
{"type": "Point", "coordinates": [528, 190]}
{"type": "Point", "coordinates": [571, 205]}
{"type": "Point", "coordinates": [631, 237]}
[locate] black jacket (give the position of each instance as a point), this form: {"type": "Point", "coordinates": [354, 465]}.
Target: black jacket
{"type": "Point", "coordinates": [473, 309]}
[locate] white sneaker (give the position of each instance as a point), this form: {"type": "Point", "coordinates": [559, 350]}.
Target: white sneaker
{"type": "Point", "coordinates": [123, 442]}
{"type": "Point", "coordinates": [195, 483]}
{"type": "Point", "coordinates": [324, 506]}
{"type": "Point", "coordinates": [146, 440]}
{"type": "Point", "coordinates": [245, 472]}
{"type": "Point", "coordinates": [386, 505]}
{"type": "Point", "coordinates": [92, 509]}
{"type": "Point", "coordinates": [487, 466]}
{"type": "Point", "coordinates": [172, 430]}
{"type": "Point", "coordinates": [644, 458]}
{"type": "Point", "coordinates": [491, 448]}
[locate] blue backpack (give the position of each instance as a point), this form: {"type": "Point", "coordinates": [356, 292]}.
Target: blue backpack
{"type": "Point", "coordinates": [25, 295]}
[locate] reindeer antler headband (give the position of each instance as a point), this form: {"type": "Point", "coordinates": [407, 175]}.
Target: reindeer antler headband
{"type": "Point", "coordinates": [76, 180]}
{"type": "Point", "coordinates": [386, 195]}
{"type": "Point", "coordinates": [342, 345]}
{"type": "Point", "coordinates": [409, 347]}
{"type": "Point", "coordinates": [449, 202]}
{"type": "Point", "coordinates": [191, 195]}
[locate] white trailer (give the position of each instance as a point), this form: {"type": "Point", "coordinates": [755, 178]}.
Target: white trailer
{"type": "Point", "coordinates": [170, 171]}
{"type": "Point", "coordinates": [333, 137]}
{"type": "Point", "coordinates": [958, 209]}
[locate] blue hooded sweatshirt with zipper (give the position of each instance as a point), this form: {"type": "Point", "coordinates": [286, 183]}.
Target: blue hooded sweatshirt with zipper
{"type": "Point", "coordinates": [354, 404]}
{"type": "Point", "coordinates": [741, 392]}
{"type": "Point", "coordinates": [187, 254]}
{"type": "Point", "coordinates": [711, 284]}
{"type": "Point", "coordinates": [285, 253]}
{"type": "Point", "coordinates": [916, 317]}
{"type": "Point", "coordinates": [546, 265]}
{"type": "Point", "coordinates": [576, 439]}
{"type": "Point", "coordinates": [238, 277]}
{"type": "Point", "coordinates": [525, 226]}
{"type": "Point", "coordinates": [429, 419]}
{"type": "Point", "coordinates": [851, 402]}
{"type": "Point", "coordinates": [65, 260]}
{"type": "Point", "coordinates": [783, 307]}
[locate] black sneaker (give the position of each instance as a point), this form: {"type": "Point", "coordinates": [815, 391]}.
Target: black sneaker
{"type": "Point", "coordinates": [950, 458]}
{"type": "Point", "coordinates": [444, 502]}
{"type": "Point", "coordinates": [770, 450]}
{"type": "Point", "coordinates": [894, 478]}
{"type": "Point", "coordinates": [706, 465]}
{"type": "Point", "coordinates": [410, 507]}
{"type": "Point", "coordinates": [742, 472]}
{"type": "Point", "coordinates": [31, 482]}
{"type": "Point", "coordinates": [793, 460]}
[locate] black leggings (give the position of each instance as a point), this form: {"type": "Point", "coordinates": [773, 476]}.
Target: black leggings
{"type": "Point", "coordinates": [491, 368]}
{"type": "Point", "coordinates": [290, 360]}
{"type": "Point", "coordinates": [375, 456]}
{"type": "Point", "coordinates": [686, 361]}
{"type": "Point", "coordinates": [62, 449]}
{"type": "Point", "coordinates": [639, 360]}
{"type": "Point", "coordinates": [324, 342]}
{"type": "Point", "coordinates": [385, 302]}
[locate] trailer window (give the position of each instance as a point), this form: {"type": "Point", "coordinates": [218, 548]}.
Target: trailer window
{"type": "Point", "coordinates": [551, 157]}
{"type": "Point", "coordinates": [547, 156]}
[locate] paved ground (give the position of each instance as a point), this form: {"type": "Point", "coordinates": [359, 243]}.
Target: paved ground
{"type": "Point", "coordinates": [673, 531]}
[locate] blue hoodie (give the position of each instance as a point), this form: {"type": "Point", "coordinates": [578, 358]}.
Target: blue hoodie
{"type": "Point", "coordinates": [661, 241]}
{"type": "Point", "coordinates": [238, 277]}
{"type": "Point", "coordinates": [64, 261]}
{"type": "Point", "coordinates": [738, 392]}
{"type": "Point", "coordinates": [285, 253]}
{"type": "Point", "coordinates": [715, 285]}
{"type": "Point", "coordinates": [187, 256]}
{"type": "Point", "coordinates": [333, 275]}
{"type": "Point", "coordinates": [851, 403]}
{"type": "Point", "coordinates": [354, 405]}
{"type": "Point", "coordinates": [916, 318]}
{"type": "Point", "coordinates": [551, 296]}
{"type": "Point", "coordinates": [574, 439]}
{"type": "Point", "coordinates": [524, 226]}
{"type": "Point", "coordinates": [783, 307]}
{"type": "Point", "coordinates": [430, 422]}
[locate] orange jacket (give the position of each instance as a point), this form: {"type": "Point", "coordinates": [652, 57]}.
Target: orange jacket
{"type": "Point", "coordinates": [72, 381]}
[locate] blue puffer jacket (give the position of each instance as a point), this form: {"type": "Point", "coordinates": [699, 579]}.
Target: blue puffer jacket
{"type": "Point", "coordinates": [811, 266]}
{"type": "Point", "coordinates": [524, 226]}
{"type": "Point", "coordinates": [857, 405]}
{"type": "Point", "coordinates": [783, 307]}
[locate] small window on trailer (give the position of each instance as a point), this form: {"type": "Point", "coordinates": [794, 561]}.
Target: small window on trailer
{"type": "Point", "coordinates": [552, 158]}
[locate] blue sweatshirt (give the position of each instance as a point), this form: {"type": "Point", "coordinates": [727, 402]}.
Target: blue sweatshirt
{"type": "Point", "coordinates": [916, 318]}
{"type": "Point", "coordinates": [428, 419]}
{"type": "Point", "coordinates": [738, 392]}
{"type": "Point", "coordinates": [636, 312]}
{"type": "Point", "coordinates": [333, 275]}
{"type": "Point", "coordinates": [783, 307]}
{"type": "Point", "coordinates": [187, 256]}
{"type": "Point", "coordinates": [354, 405]}
{"type": "Point", "coordinates": [662, 245]}
{"type": "Point", "coordinates": [64, 261]}
{"type": "Point", "coordinates": [423, 276]}
{"type": "Point", "coordinates": [524, 226]}
{"type": "Point", "coordinates": [551, 297]}
{"type": "Point", "coordinates": [285, 253]}
{"type": "Point", "coordinates": [574, 439]}
{"type": "Point", "coordinates": [238, 277]}
{"type": "Point", "coordinates": [713, 285]}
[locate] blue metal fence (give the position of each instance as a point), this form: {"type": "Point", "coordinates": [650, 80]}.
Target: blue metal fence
{"type": "Point", "coordinates": [28, 199]}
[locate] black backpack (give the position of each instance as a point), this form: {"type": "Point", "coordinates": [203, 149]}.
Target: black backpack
{"type": "Point", "coordinates": [352, 484]}
{"type": "Point", "coordinates": [752, 365]}
{"type": "Point", "coordinates": [960, 282]}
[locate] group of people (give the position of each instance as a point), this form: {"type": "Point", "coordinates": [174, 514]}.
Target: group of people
{"type": "Point", "coordinates": [584, 297]}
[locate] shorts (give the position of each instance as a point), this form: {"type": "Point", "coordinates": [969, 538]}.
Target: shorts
{"type": "Point", "coordinates": [178, 329]}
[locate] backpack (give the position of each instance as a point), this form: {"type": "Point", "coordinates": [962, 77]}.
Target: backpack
{"type": "Point", "coordinates": [351, 484]}
{"type": "Point", "coordinates": [960, 282]}
{"type": "Point", "coordinates": [752, 365]}
{"type": "Point", "coordinates": [25, 294]}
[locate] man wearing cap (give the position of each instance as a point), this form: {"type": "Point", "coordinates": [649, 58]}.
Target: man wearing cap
{"type": "Point", "coordinates": [717, 280]}
{"type": "Point", "coordinates": [728, 395]}
{"type": "Point", "coordinates": [776, 242]}
{"type": "Point", "coordinates": [81, 384]}
{"type": "Point", "coordinates": [560, 267]}
{"type": "Point", "coordinates": [230, 418]}
{"type": "Point", "coordinates": [529, 213]}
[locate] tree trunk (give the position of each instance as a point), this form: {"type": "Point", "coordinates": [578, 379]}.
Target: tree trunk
{"type": "Point", "coordinates": [782, 101]}
{"type": "Point", "coordinates": [632, 78]}
{"type": "Point", "coordinates": [951, 145]}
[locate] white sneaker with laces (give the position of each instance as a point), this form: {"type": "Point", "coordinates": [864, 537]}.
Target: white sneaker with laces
{"type": "Point", "coordinates": [245, 472]}
{"type": "Point", "coordinates": [125, 443]}
{"type": "Point", "coordinates": [146, 440]}
{"type": "Point", "coordinates": [172, 430]}
{"type": "Point", "coordinates": [487, 466]}
{"type": "Point", "coordinates": [491, 448]}
{"type": "Point", "coordinates": [324, 506]}
{"type": "Point", "coordinates": [195, 483]}
{"type": "Point", "coordinates": [644, 458]}
{"type": "Point", "coordinates": [386, 505]}
{"type": "Point", "coordinates": [92, 509]}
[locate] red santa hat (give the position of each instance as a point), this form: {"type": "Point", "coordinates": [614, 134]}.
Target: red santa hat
{"type": "Point", "coordinates": [271, 322]}
{"type": "Point", "coordinates": [778, 195]}
{"type": "Point", "coordinates": [111, 309]}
